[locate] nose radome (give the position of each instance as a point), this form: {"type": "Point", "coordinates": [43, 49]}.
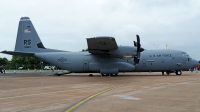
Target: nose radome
{"type": "Point", "coordinates": [194, 62]}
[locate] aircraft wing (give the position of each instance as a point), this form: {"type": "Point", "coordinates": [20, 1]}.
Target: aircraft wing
{"type": "Point", "coordinates": [101, 45]}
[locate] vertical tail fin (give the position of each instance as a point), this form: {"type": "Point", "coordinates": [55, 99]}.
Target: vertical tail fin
{"type": "Point", "coordinates": [28, 42]}
{"type": "Point", "coordinates": [27, 37]}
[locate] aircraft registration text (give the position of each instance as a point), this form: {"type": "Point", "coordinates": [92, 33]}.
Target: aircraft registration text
{"type": "Point", "coordinates": [161, 55]}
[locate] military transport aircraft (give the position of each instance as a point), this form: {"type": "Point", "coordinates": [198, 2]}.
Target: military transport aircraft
{"type": "Point", "coordinates": [103, 56]}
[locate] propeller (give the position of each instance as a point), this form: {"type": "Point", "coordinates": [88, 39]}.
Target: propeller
{"type": "Point", "coordinates": [139, 49]}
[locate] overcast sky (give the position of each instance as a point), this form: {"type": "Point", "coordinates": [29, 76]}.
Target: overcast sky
{"type": "Point", "coordinates": [65, 24]}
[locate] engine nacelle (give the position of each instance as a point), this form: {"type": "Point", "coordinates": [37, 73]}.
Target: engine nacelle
{"type": "Point", "coordinates": [124, 52]}
{"type": "Point", "coordinates": [111, 68]}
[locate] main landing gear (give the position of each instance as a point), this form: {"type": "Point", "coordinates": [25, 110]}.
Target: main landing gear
{"type": "Point", "coordinates": [108, 75]}
{"type": "Point", "coordinates": [90, 75]}
{"type": "Point", "coordinates": [167, 72]}
{"type": "Point", "coordinates": [176, 72]}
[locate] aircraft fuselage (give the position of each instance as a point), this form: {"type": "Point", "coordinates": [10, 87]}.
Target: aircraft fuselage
{"type": "Point", "coordinates": [151, 60]}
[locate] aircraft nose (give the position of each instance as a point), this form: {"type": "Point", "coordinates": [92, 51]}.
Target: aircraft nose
{"type": "Point", "coordinates": [194, 62]}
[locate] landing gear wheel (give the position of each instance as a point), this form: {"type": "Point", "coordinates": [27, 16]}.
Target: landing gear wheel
{"type": "Point", "coordinates": [178, 72]}
{"type": "Point", "coordinates": [56, 75]}
{"type": "Point", "coordinates": [113, 74]}
{"type": "Point", "coordinates": [104, 75]}
{"type": "Point", "coordinates": [90, 75]}
{"type": "Point", "coordinates": [167, 73]}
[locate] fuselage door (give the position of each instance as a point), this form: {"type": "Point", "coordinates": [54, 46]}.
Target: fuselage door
{"type": "Point", "coordinates": [143, 63]}
{"type": "Point", "coordinates": [85, 65]}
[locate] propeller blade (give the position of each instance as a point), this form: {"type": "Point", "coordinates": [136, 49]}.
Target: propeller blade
{"type": "Point", "coordinates": [138, 38]}
{"type": "Point", "coordinates": [138, 43]}
{"type": "Point", "coordinates": [135, 44]}
{"type": "Point", "coordinates": [136, 60]}
{"type": "Point", "coordinates": [139, 49]}
{"type": "Point", "coordinates": [138, 55]}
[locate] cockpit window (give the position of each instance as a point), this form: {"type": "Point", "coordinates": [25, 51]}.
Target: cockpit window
{"type": "Point", "coordinates": [185, 54]}
{"type": "Point", "coordinates": [189, 59]}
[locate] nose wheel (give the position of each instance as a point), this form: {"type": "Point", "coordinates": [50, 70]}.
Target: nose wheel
{"type": "Point", "coordinates": [178, 72]}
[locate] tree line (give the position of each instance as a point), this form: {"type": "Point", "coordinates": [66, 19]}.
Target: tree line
{"type": "Point", "coordinates": [26, 62]}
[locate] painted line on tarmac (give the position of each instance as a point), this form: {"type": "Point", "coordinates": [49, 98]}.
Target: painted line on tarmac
{"type": "Point", "coordinates": [85, 100]}
{"type": "Point", "coordinates": [81, 102]}
{"type": "Point", "coordinates": [48, 93]}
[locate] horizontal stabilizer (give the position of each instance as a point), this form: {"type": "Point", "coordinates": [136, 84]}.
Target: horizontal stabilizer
{"type": "Point", "coordinates": [18, 53]}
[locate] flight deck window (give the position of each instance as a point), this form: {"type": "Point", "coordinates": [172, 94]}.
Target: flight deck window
{"type": "Point", "coordinates": [185, 54]}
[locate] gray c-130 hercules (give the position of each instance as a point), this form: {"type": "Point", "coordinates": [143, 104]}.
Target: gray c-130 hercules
{"type": "Point", "coordinates": [103, 56]}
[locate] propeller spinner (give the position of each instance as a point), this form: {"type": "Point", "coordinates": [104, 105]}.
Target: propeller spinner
{"type": "Point", "coordinates": [139, 49]}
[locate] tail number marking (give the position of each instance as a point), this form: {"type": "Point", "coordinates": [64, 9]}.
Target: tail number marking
{"type": "Point", "coordinates": [27, 43]}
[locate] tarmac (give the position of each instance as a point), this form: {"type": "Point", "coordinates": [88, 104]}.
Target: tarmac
{"type": "Point", "coordinates": [127, 92]}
